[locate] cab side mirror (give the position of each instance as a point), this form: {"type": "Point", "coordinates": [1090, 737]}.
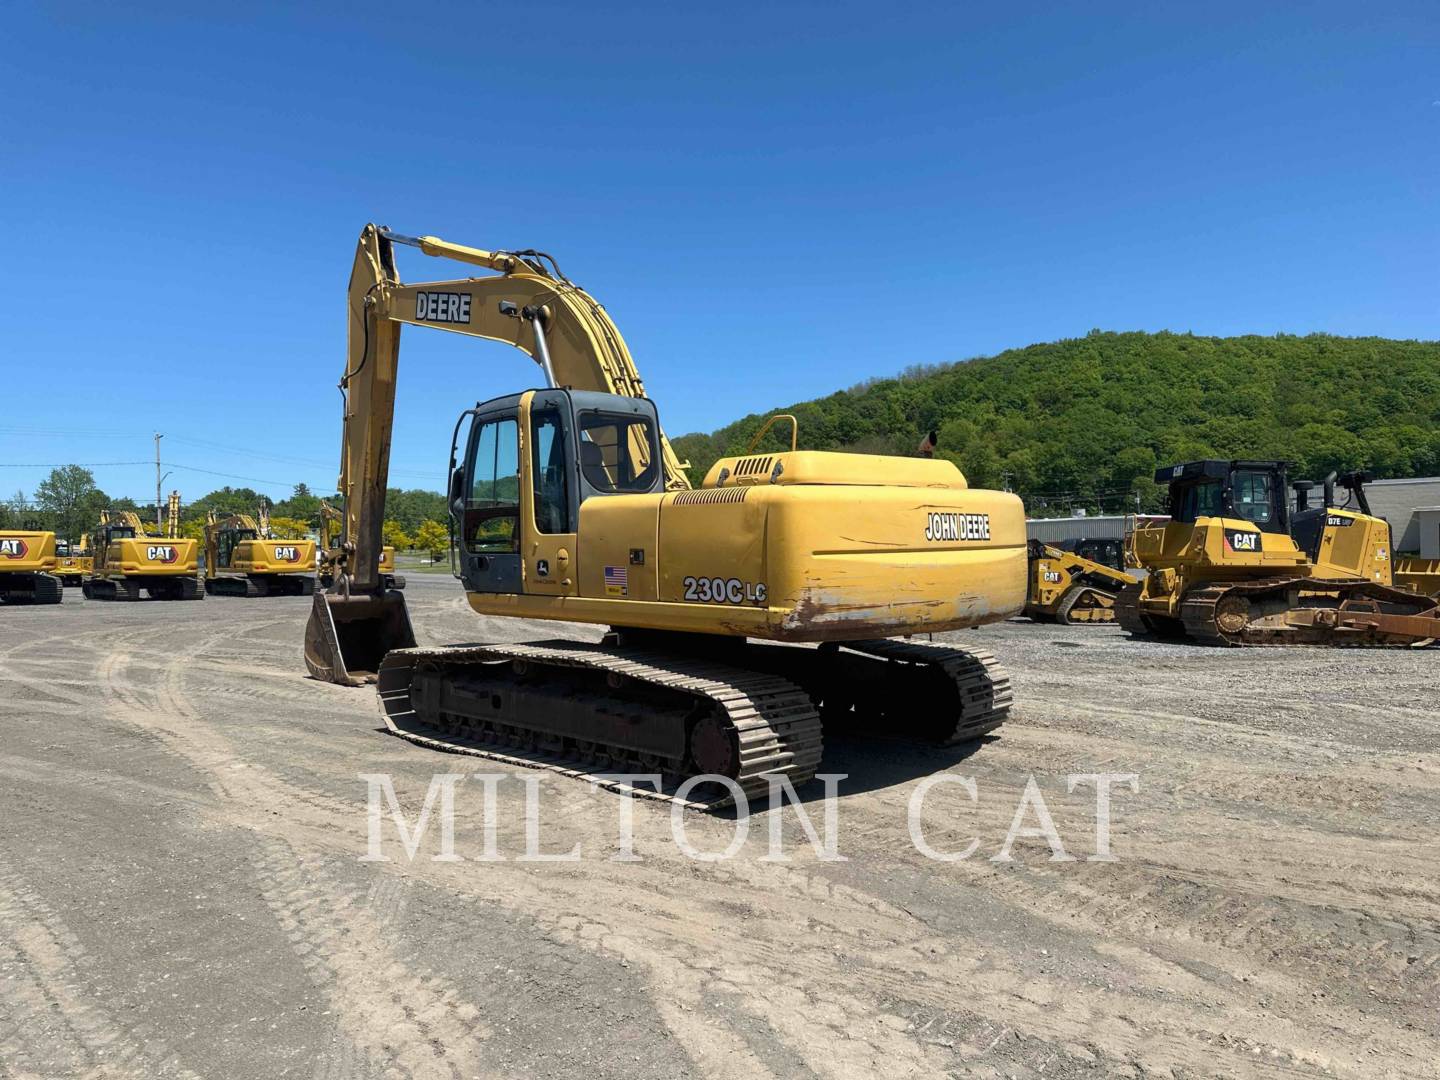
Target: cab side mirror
{"type": "Point", "coordinates": [457, 492]}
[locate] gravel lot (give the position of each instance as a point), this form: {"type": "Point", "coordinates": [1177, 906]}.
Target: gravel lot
{"type": "Point", "coordinates": [182, 891]}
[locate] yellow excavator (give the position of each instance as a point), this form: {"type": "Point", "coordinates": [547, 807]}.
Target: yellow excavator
{"type": "Point", "coordinates": [740, 612]}
{"type": "Point", "coordinates": [27, 568]}
{"type": "Point", "coordinates": [1067, 587]}
{"type": "Point", "coordinates": [128, 560]}
{"type": "Point", "coordinates": [72, 561]}
{"type": "Point", "coordinates": [1234, 566]}
{"type": "Point", "coordinates": [330, 555]}
{"type": "Point", "coordinates": [243, 559]}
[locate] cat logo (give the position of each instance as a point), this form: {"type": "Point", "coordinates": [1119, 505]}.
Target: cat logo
{"type": "Point", "coordinates": [1243, 541]}
{"type": "Point", "coordinates": [1051, 577]}
{"type": "Point", "coordinates": [13, 547]}
{"type": "Point", "coordinates": [289, 553]}
{"type": "Point", "coordinates": [442, 307]}
{"type": "Point", "coordinates": [162, 553]}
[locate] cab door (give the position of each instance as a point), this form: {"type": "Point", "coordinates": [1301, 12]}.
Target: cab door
{"type": "Point", "coordinates": [486, 509]}
{"type": "Point", "coordinates": [550, 501]}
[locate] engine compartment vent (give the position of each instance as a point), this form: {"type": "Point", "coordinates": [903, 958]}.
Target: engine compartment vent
{"type": "Point", "coordinates": [710, 496]}
{"type": "Point", "coordinates": [754, 466]}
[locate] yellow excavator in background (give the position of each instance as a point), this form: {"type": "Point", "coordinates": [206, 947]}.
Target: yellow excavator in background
{"type": "Point", "coordinates": [72, 561]}
{"type": "Point", "coordinates": [243, 559]}
{"type": "Point", "coordinates": [128, 560]}
{"type": "Point", "coordinates": [330, 553]}
{"type": "Point", "coordinates": [568, 503]}
{"type": "Point", "coordinates": [27, 568]}
{"type": "Point", "coordinates": [1233, 566]}
{"type": "Point", "coordinates": [1066, 587]}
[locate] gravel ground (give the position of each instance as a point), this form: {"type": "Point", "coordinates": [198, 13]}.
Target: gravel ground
{"type": "Point", "coordinates": [183, 893]}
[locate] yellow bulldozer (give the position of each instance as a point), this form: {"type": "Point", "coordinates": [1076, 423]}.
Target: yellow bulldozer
{"type": "Point", "coordinates": [1067, 587]}
{"type": "Point", "coordinates": [740, 612]}
{"type": "Point", "coordinates": [27, 567]}
{"type": "Point", "coordinates": [242, 558]}
{"type": "Point", "coordinates": [330, 553]}
{"type": "Point", "coordinates": [1235, 566]}
{"type": "Point", "coordinates": [128, 560]}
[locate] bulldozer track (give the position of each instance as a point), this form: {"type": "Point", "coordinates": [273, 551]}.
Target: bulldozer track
{"type": "Point", "coordinates": [774, 722]}
{"type": "Point", "coordinates": [1202, 616]}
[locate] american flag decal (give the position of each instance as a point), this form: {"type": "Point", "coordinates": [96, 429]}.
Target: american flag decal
{"type": "Point", "coordinates": [617, 581]}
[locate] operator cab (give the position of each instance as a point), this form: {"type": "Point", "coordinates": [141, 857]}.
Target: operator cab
{"type": "Point", "coordinates": [228, 538]}
{"type": "Point", "coordinates": [1105, 550]}
{"type": "Point", "coordinates": [1253, 491]}
{"type": "Point", "coordinates": [526, 473]}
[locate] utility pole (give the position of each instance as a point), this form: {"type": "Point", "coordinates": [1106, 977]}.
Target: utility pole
{"type": "Point", "coordinates": [159, 521]}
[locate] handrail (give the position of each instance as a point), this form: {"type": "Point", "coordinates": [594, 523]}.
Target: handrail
{"type": "Point", "coordinates": [794, 431]}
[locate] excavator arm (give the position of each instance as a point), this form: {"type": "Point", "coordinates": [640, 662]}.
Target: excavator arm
{"type": "Point", "coordinates": [527, 303]}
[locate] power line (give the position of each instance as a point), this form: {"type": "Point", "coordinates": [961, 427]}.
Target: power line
{"type": "Point", "coordinates": [82, 464]}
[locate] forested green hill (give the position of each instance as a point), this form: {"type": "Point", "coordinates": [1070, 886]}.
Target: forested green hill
{"type": "Point", "coordinates": [1085, 422]}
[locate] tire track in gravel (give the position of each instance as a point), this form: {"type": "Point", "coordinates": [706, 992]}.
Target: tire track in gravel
{"type": "Point", "coordinates": [821, 1023]}
{"type": "Point", "coordinates": [52, 1024]}
{"type": "Point", "coordinates": [392, 1021]}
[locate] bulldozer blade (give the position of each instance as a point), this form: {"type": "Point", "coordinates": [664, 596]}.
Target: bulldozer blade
{"type": "Point", "coordinates": [348, 636]}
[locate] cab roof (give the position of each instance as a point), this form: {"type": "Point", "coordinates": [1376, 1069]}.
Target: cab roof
{"type": "Point", "coordinates": [1213, 469]}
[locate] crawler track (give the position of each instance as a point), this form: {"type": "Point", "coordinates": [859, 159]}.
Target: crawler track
{"type": "Point", "coordinates": [1086, 604]}
{"type": "Point", "coordinates": [130, 588]}
{"type": "Point", "coordinates": [1261, 613]}
{"type": "Point", "coordinates": [35, 588]}
{"type": "Point", "coordinates": [252, 586]}
{"type": "Point", "coordinates": [610, 710]}
{"type": "Point", "coordinates": [589, 710]}
{"type": "Point", "coordinates": [936, 693]}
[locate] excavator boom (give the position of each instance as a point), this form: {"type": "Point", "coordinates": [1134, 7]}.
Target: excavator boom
{"type": "Point", "coordinates": [527, 303]}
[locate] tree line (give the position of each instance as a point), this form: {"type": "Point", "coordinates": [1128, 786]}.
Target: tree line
{"type": "Point", "coordinates": [68, 502]}
{"type": "Point", "coordinates": [1085, 422]}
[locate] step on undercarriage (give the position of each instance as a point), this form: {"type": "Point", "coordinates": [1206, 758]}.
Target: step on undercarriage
{"type": "Point", "coordinates": [747, 712]}
{"type": "Point", "coordinates": [130, 589]}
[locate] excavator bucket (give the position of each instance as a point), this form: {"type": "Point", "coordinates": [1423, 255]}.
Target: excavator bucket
{"type": "Point", "coordinates": [348, 636]}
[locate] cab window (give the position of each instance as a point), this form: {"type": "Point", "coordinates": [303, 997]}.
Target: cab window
{"type": "Point", "coordinates": [617, 452]}
{"type": "Point", "coordinates": [1195, 501]}
{"type": "Point", "coordinates": [552, 492]}
{"type": "Point", "coordinates": [492, 509]}
{"type": "Point", "coordinates": [1251, 496]}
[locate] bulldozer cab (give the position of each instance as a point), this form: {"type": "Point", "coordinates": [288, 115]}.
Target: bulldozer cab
{"type": "Point", "coordinates": [1252, 491]}
{"type": "Point", "coordinates": [529, 461]}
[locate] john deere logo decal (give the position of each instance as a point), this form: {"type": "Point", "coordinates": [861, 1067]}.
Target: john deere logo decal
{"type": "Point", "coordinates": [13, 547]}
{"type": "Point", "coordinates": [442, 307]}
{"type": "Point", "coordinates": [287, 554]}
{"type": "Point", "coordinates": [164, 553]}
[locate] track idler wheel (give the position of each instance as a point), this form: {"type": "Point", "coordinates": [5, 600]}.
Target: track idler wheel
{"type": "Point", "coordinates": [1232, 614]}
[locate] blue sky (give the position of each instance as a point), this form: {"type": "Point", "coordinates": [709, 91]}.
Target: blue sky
{"type": "Point", "coordinates": [773, 202]}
